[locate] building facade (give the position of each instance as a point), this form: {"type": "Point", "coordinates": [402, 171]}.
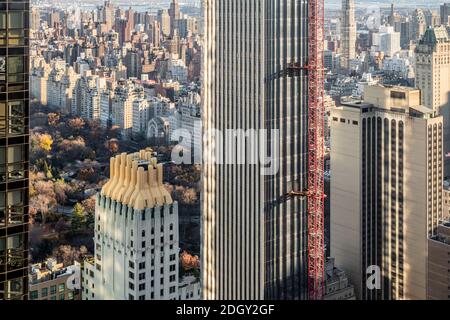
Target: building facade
{"type": "Point", "coordinates": [136, 236]}
{"type": "Point", "coordinates": [14, 144]}
{"type": "Point", "coordinates": [439, 264]}
{"type": "Point", "coordinates": [348, 33]}
{"type": "Point", "coordinates": [254, 247]}
{"type": "Point", "coordinates": [386, 191]}
{"type": "Point", "coordinates": [433, 77]}
{"type": "Point", "coordinates": [52, 281]}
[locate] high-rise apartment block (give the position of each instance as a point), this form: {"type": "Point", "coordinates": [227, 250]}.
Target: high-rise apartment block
{"type": "Point", "coordinates": [14, 145]}
{"type": "Point", "coordinates": [125, 94]}
{"type": "Point", "coordinates": [86, 96]}
{"type": "Point", "coordinates": [348, 33]}
{"type": "Point", "coordinates": [254, 245]}
{"type": "Point", "coordinates": [439, 264]}
{"type": "Point", "coordinates": [386, 191]}
{"type": "Point", "coordinates": [136, 236]}
{"type": "Point", "coordinates": [433, 77]}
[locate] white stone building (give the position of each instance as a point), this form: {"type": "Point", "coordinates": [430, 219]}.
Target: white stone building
{"type": "Point", "coordinates": [136, 237]}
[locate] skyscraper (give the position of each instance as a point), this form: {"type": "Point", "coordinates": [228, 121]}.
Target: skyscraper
{"type": "Point", "coordinates": [254, 241]}
{"type": "Point", "coordinates": [109, 14]}
{"type": "Point", "coordinates": [175, 15]}
{"type": "Point", "coordinates": [348, 32]}
{"type": "Point", "coordinates": [445, 13]}
{"type": "Point", "coordinates": [433, 77]}
{"type": "Point", "coordinates": [14, 142]}
{"type": "Point", "coordinates": [386, 191]}
{"type": "Point", "coordinates": [136, 236]}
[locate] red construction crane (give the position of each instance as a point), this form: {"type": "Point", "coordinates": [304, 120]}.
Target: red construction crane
{"type": "Point", "coordinates": [315, 192]}
{"type": "Point", "coordinates": [316, 196]}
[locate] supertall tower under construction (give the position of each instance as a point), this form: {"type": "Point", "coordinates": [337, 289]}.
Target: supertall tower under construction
{"type": "Point", "coordinates": [254, 237]}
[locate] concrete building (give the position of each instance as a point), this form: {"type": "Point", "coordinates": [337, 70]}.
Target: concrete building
{"type": "Point", "coordinates": [446, 201]}
{"type": "Point", "coordinates": [418, 25]}
{"type": "Point", "coordinates": [348, 32]}
{"type": "Point", "coordinates": [433, 78]}
{"type": "Point", "coordinates": [106, 98]}
{"type": "Point", "coordinates": [141, 116]}
{"type": "Point", "coordinates": [52, 281]}
{"type": "Point", "coordinates": [439, 264]}
{"type": "Point", "coordinates": [177, 71]}
{"type": "Point", "coordinates": [386, 191]}
{"type": "Point", "coordinates": [136, 236]}
{"type": "Point", "coordinates": [86, 96]}
{"type": "Point", "coordinates": [386, 41]}
{"type": "Point", "coordinates": [445, 14]}
{"type": "Point", "coordinates": [164, 22]}
{"type": "Point", "coordinates": [125, 93]}
{"type": "Point", "coordinates": [337, 285]}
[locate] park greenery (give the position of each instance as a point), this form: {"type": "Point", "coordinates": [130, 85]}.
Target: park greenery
{"type": "Point", "coordinates": [69, 163]}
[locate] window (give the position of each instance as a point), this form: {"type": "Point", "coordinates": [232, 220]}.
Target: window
{"type": "Point", "coordinates": [142, 276]}
{"type": "Point", "coordinates": [131, 275]}
{"type": "Point", "coordinates": [172, 278]}
{"type": "Point", "coordinates": [173, 257]}
{"type": "Point", "coordinates": [143, 244]}
{"type": "Point", "coordinates": [52, 289]}
{"type": "Point", "coordinates": [172, 289]}
{"type": "Point", "coordinates": [142, 298]}
{"type": "Point", "coordinates": [16, 167]}
{"type": "Point", "coordinates": [61, 287]}
{"type": "Point", "coordinates": [130, 297]}
{"type": "Point", "coordinates": [61, 296]}
{"type": "Point", "coordinates": [44, 292]}
{"type": "Point", "coordinates": [33, 295]}
{"type": "Point", "coordinates": [172, 267]}
{"type": "Point", "coordinates": [15, 20]}
{"type": "Point", "coordinates": [131, 264]}
{"type": "Point", "coordinates": [131, 286]}
{"type": "Point", "coordinates": [141, 265]}
{"type": "Point", "coordinates": [142, 287]}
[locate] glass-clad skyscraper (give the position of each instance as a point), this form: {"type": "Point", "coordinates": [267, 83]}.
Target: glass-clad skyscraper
{"type": "Point", "coordinates": [14, 141]}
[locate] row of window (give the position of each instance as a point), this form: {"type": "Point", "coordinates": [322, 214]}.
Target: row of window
{"type": "Point", "coordinates": [34, 295]}
{"type": "Point", "coordinates": [152, 296]}
{"type": "Point", "coordinates": [342, 120]}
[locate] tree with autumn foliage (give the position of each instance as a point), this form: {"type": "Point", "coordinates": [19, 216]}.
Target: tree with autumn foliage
{"type": "Point", "coordinates": [189, 262]}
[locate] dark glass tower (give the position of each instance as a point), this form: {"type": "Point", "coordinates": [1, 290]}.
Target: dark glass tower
{"type": "Point", "coordinates": [14, 141]}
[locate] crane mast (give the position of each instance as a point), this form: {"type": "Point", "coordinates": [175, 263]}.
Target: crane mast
{"type": "Point", "coordinates": [316, 197]}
